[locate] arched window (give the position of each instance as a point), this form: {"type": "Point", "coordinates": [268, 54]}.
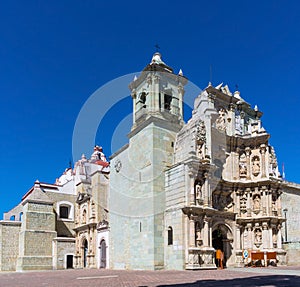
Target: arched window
{"type": "Point", "coordinates": [21, 216]}
{"type": "Point", "coordinates": [13, 218]}
{"type": "Point", "coordinates": [167, 102]}
{"type": "Point", "coordinates": [84, 216]}
{"type": "Point", "coordinates": [170, 235]}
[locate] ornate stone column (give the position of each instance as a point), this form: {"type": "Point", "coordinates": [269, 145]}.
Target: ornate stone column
{"type": "Point", "coordinates": [192, 231]}
{"type": "Point", "coordinates": [270, 202]}
{"type": "Point", "coordinates": [210, 232]}
{"type": "Point", "coordinates": [249, 203]}
{"type": "Point", "coordinates": [235, 164]}
{"type": "Point", "coordinates": [237, 206]}
{"type": "Point", "coordinates": [206, 232]}
{"type": "Point", "coordinates": [263, 159]}
{"type": "Point", "coordinates": [231, 115]}
{"type": "Point", "coordinates": [133, 95]}
{"type": "Point", "coordinates": [181, 93]}
{"type": "Point", "coordinates": [279, 211]}
{"type": "Point", "coordinates": [238, 246]}
{"type": "Point", "coordinates": [248, 153]}
{"type": "Point", "coordinates": [249, 243]}
{"type": "Point", "coordinates": [156, 89]}
{"type": "Point", "coordinates": [265, 235]}
{"type": "Point", "coordinates": [279, 241]}
{"type": "Point", "coordinates": [207, 195]}
{"type": "Point", "coordinates": [238, 237]}
{"type": "Point", "coordinates": [192, 187]}
{"type": "Point", "coordinates": [264, 200]}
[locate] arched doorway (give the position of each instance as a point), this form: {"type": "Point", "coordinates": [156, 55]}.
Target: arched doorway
{"type": "Point", "coordinates": [102, 254]}
{"type": "Point", "coordinates": [222, 240]}
{"type": "Point", "coordinates": [85, 252]}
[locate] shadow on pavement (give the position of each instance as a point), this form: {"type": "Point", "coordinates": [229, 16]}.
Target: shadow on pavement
{"type": "Point", "coordinates": [266, 281]}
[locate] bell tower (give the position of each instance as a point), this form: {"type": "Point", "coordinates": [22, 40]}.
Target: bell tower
{"type": "Point", "coordinates": [138, 179]}
{"type": "Point", "coordinates": [157, 93]}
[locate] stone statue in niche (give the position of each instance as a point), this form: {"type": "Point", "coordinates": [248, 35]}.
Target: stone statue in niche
{"type": "Point", "coordinates": [257, 236]}
{"type": "Point", "coordinates": [198, 235]}
{"type": "Point", "coordinates": [83, 216]}
{"type": "Point", "coordinates": [221, 120]}
{"type": "Point", "coordinates": [255, 165]}
{"type": "Point", "coordinates": [215, 201]}
{"type": "Point", "coordinates": [273, 162]}
{"type": "Point", "coordinates": [200, 138]}
{"type": "Point", "coordinates": [274, 208]}
{"type": "Point", "coordinates": [243, 204]}
{"type": "Point", "coordinates": [256, 203]}
{"type": "Point", "coordinates": [243, 166]}
{"type": "Point", "coordinates": [239, 124]}
{"type": "Point", "coordinates": [198, 192]}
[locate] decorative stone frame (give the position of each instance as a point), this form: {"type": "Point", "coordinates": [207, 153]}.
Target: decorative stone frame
{"type": "Point", "coordinates": [71, 210]}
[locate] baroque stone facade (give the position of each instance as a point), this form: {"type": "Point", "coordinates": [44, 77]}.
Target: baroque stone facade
{"type": "Point", "coordinates": [170, 198]}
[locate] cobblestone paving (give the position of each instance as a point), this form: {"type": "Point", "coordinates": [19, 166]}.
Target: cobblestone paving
{"type": "Point", "coordinates": [267, 277]}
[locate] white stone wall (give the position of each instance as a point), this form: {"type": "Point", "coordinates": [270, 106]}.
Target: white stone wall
{"type": "Point", "coordinates": [61, 248]}
{"type": "Point", "coordinates": [137, 200]}
{"type": "Point", "coordinates": [290, 200]}
{"type": "Point", "coordinates": [176, 188]}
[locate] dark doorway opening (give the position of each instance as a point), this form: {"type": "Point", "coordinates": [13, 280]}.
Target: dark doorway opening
{"type": "Point", "coordinates": [103, 254]}
{"type": "Point", "coordinates": [85, 252]}
{"type": "Point", "coordinates": [217, 243]}
{"type": "Point", "coordinates": [217, 239]}
{"type": "Point", "coordinates": [69, 261]}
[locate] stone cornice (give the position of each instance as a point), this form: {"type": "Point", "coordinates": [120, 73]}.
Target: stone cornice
{"type": "Point", "coordinates": [85, 226]}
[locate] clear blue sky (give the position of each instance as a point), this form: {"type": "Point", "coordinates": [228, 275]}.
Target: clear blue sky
{"type": "Point", "coordinates": [55, 54]}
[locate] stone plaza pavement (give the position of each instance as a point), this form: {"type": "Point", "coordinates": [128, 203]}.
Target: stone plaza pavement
{"type": "Point", "coordinates": [246, 277]}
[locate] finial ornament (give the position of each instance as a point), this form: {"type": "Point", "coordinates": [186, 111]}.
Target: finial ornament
{"type": "Point", "coordinates": [156, 59]}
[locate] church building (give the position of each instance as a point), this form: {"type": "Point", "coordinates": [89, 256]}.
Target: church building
{"type": "Point", "coordinates": [172, 198]}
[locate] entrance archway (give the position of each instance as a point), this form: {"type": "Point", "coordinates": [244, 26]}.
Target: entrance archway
{"type": "Point", "coordinates": [222, 240]}
{"type": "Point", "coordinates": [85, 252]}
{"type": "Point", "coordinates": [103, 254]}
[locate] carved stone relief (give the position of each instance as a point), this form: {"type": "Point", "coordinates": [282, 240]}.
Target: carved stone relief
{"type": "Point", "coordinates": [243, 166]}
{"type": "Point", "coordinates": [255, 165]}
{"type": "Point", "coordinates": [221, 120]}
{"type": "Point", "coordinates": [257, 236]}
{"type": "Point", "coordinates": [200, 139]}
{"type": "Point", "coordinates": [243, 203]}
{"type": "Point", "coordinates": [256, 203]}
{"type": "Point", "coordinates": [273, 162]}
{"type": "Point", "coordinates": [198, 234]}
{"type": "Point", "coordinates": [198, 192]}
{"type": "Point", "coordinates": [274, 207]}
